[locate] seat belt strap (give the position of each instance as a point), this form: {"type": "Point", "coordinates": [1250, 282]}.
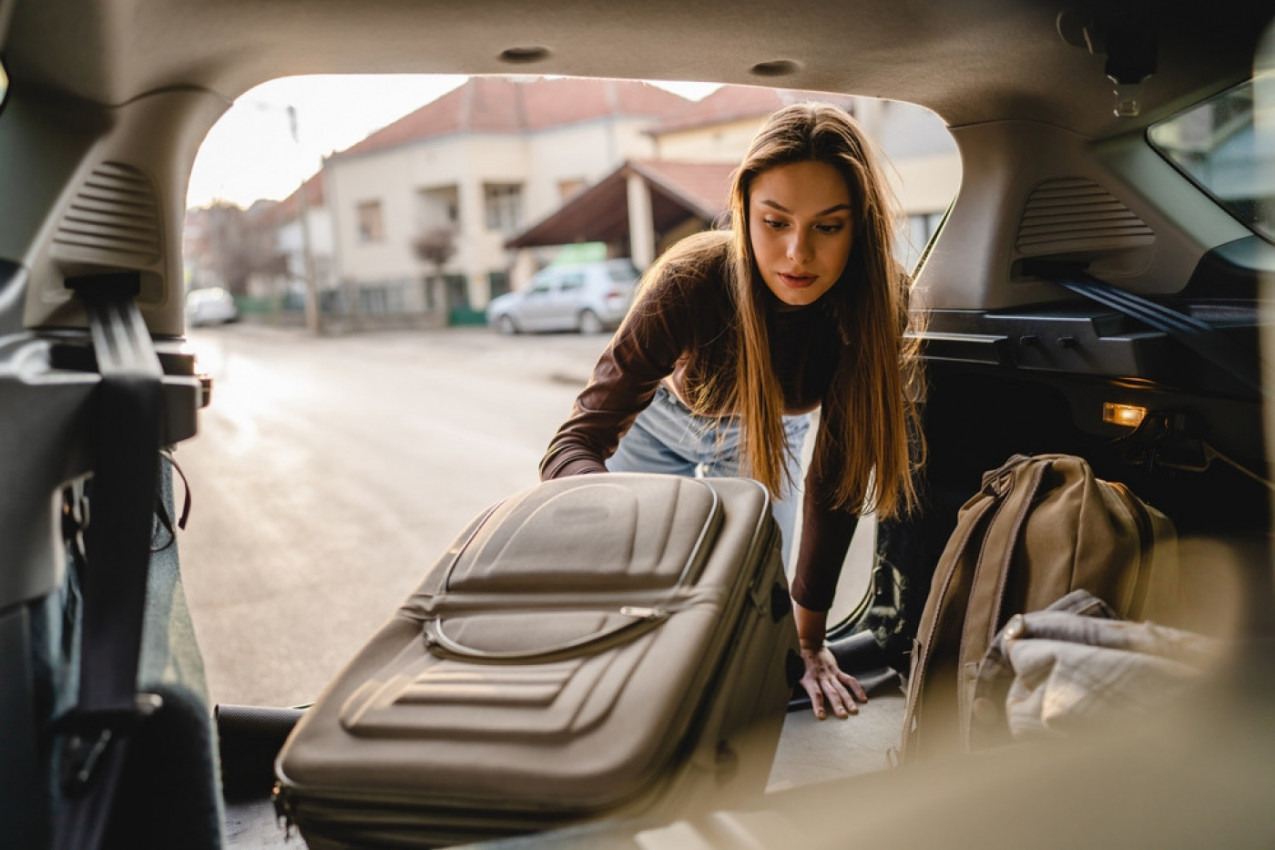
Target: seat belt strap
{"type": "Point", "coordinates": [124, 434]}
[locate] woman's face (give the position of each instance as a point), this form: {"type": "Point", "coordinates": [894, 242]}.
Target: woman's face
{"type": "Point", "coordinates": [800, 228]}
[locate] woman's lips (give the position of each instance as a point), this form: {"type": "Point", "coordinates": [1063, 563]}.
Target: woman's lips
{"type": "Point", "coordinates": [798, 281]}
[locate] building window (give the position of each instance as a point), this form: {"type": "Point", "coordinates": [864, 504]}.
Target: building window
{"type": "Point", "coordinates": [438, 207]}
{"type": "Point", "coordinates": [503, 203]}
{"type": "Point", "coordinates": [457, 291]}
{"type": "Point", "coordinates": [497, 283]}
{"type": "Point", "coordinates": [371, 222]}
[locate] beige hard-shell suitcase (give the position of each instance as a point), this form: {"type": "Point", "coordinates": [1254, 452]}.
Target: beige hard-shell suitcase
{"type": "Point", "coordinates": [598, 646]}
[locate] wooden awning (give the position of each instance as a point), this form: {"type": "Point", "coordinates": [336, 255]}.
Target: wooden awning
{"type": "Point", "coordinates": [679, 190]}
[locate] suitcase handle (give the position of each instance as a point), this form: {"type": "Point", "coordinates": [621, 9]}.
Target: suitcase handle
{"type": "Point", "coordinates": [645, 620]}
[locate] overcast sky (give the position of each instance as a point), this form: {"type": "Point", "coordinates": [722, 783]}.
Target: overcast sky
{"type": "Point", "coordinates": [250, 153]}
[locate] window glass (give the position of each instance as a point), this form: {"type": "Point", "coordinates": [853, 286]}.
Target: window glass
{"type": "Point", "coordinates": [371, 222]}
{"type": "Point", "coordinates": [572, 282]}
{"type": "Point", "coordinates": [1217, 144]}
{"type": "Point", "coordinates": [438, 207]}
{"type": "Point", "coordinates": [498, 283]}
{"type": "Point", "coordinates": [503, 204]}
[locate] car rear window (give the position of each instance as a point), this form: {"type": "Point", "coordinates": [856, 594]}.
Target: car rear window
{"type": "Point", "coordinates": [1220, 146]}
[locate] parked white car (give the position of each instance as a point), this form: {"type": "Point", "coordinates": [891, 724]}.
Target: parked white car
{"type": "Point", "coordinates": [210, 305]}
{"type": "Point", "coordinates": [584, 297]}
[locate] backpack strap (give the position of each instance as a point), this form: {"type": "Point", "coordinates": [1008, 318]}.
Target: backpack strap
{"type": "Point", "coordinates": [948, 589]}
{"type": "Point", "coordinates": [124, 433]}
{"type": "Point", "coordinates": [1019, 489]}
{"type": "Point", "coordinates": [1017, 484]}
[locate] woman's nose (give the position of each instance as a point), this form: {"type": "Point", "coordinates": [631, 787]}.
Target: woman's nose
{"type": "Point", "coordinates": [799, 246]}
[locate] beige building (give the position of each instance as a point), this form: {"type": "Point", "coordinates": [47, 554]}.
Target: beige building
{"type": "Point", "coordinates": [463, 174]}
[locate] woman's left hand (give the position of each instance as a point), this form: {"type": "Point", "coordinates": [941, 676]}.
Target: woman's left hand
{"type": "Point", "coordinates": [826, 684]}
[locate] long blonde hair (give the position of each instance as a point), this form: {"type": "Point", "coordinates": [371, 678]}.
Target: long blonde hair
{"type": "Point", "coordinates": [870, 438]}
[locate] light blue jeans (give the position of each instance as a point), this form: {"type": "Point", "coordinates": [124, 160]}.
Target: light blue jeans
{"type": "Point", "coordinates": [667, 437]}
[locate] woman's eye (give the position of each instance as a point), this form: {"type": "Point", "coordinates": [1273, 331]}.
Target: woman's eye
{"type": "Point", "coordinates": [829, 228]}
{"type": "Point", "coordinates": [775, 224]}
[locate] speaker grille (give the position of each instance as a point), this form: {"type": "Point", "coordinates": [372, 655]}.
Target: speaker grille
{"type": "Point", "coordinates": [116, 212]}
{"type": "Point", "coordinates": [1071, 214]}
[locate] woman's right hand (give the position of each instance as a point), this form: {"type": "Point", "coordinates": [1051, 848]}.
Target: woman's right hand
{"type": "Point", "coordinates": [826, 684]}
{"type": "Point", "coordinates": [823, 679]}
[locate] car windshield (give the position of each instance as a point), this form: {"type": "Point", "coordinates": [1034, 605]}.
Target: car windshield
{"type": "Point", "coordinates": [1226, 145]}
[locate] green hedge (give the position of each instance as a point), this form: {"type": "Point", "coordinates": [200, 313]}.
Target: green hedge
{"type": "Point", "coordinates": [254, 306]}
{"type": "Point", "coordinates": [466, 316]}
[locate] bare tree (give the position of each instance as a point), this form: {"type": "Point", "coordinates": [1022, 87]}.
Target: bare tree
{"type": "Point", "coordinates": [436, 246]}
{"type": "Point", "coordinates": [235, 245]}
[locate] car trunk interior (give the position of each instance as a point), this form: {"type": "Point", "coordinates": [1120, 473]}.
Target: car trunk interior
{"type": "Point", "coordinates": [1016, 364]}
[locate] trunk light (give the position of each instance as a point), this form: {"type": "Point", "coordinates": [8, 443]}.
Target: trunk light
{"type": "Point", "coordinates": [1128, 415]}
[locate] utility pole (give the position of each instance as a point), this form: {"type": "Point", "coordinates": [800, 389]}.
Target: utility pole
{"type": "Point", "coordinates": [313, 315]}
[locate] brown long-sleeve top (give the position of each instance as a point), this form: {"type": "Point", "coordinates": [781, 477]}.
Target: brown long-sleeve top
{"type": "Point", "coordinates": [678, 332]}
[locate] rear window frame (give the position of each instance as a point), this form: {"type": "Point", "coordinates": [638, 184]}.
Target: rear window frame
{"type": "Point", "coordinates": [1260, 218]}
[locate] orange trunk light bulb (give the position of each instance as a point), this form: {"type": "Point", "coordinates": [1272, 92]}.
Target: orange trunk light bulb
{"type": "Point", "coordinates": [1128, 415]}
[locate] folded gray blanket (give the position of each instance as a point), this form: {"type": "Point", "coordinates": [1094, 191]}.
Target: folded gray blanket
{"type": "Point", "coordinates": [1054, 672]}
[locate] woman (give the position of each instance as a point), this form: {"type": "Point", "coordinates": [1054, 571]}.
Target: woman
{"type": "Point", "coordinates": [736, 336]}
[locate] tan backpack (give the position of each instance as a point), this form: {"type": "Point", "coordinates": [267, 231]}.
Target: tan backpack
{"type": "Point", "coordinates": [1040, 527]}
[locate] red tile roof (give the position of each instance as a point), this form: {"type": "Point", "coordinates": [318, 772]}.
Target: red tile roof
{"type": "Point", "coordinates": [703, 186]}
{"type": "Point", "coordinates": [734, 103]}
{"type": "Point", "coordinates": [288, 209]}
{"type": "Point", "coordinates": [504, 105]}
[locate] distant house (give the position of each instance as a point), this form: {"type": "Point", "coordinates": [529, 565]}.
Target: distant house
{"type": "Point", "coordinates": [301, 246]}
{"type": "Point", "coordinates": [475, 166]}
{"type": "Point", "coordinates": [643, 206]}
{"type": "Point", "coordinates": [263, 255]}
